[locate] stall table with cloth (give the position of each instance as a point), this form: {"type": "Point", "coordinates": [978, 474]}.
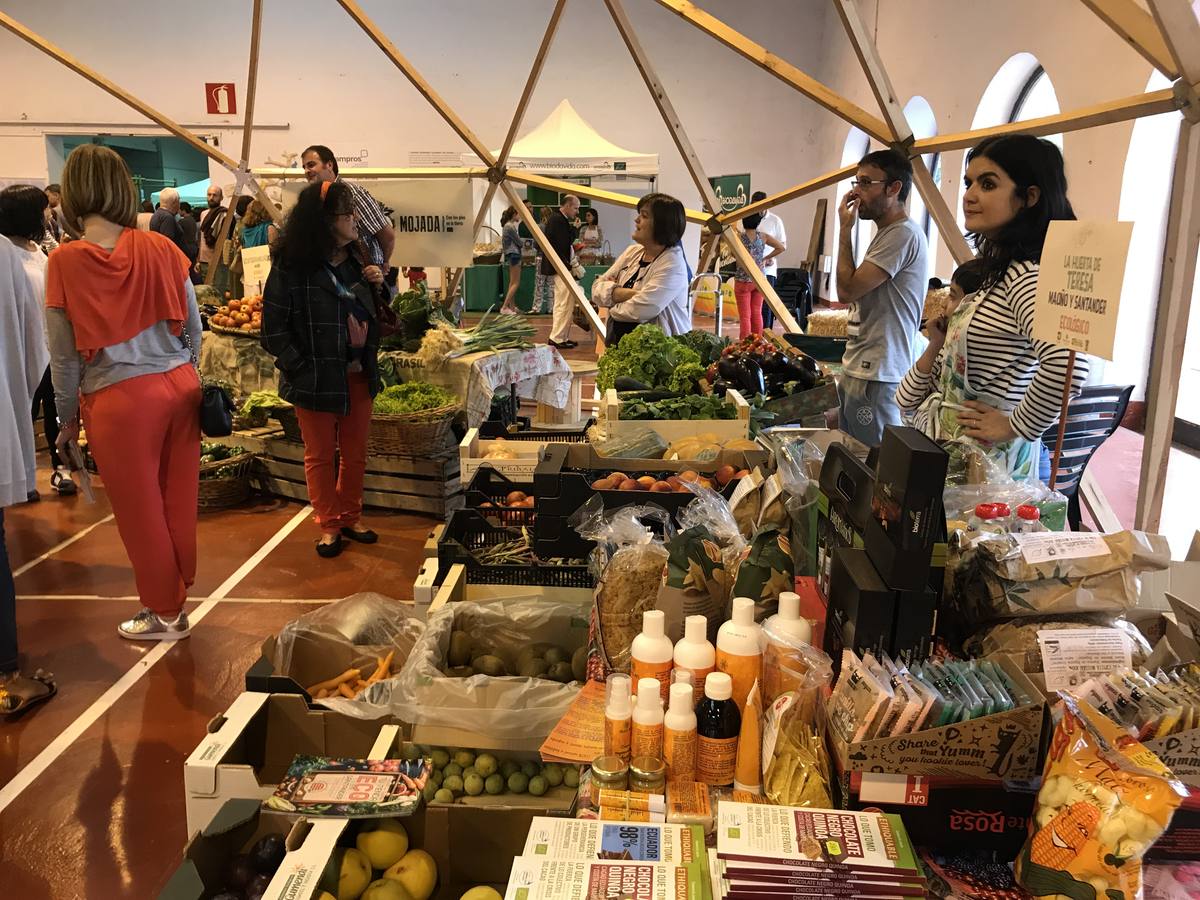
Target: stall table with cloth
{"type": "Point", "coordinates": [238, 361]}
{"type": "Point", "coordinates": [539, 373]}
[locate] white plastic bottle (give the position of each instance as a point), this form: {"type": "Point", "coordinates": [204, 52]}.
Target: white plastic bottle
{"type": "Point", "coordinates": [696, 654]}
{"type": "Point", "coordinates": [740, 649]}
{"type": "Point", "coordinates": [783, 664]}
{"type": "Point", "coordinates": [618, 717]}
{"type": "Point", "coordinates": [651, 652]}
{"type": "Point", "coordinates": [679, 735]}
{"type": "Point", "coordinates": [647, 720]}
{"type": "Point", "coordinates": [788, 621]}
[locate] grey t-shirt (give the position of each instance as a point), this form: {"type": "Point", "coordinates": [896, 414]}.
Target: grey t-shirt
{"type": "Point", "coordinates": [884, 321]}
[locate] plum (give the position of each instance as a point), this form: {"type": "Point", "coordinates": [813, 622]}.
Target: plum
{"type": "Point", "coordinates": [239, 873]}
{"type": "Point", "coordinates": [267, 853]}
{"type": "Point", "coordinates": [257, 887]}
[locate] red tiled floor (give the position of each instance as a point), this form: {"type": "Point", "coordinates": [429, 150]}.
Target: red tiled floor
{"type": "Point", "coordinates": [33, 528]}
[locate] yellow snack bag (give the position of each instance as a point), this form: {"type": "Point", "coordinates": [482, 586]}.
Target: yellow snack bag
{"type": "Point", "coordinates": [1104, 801]}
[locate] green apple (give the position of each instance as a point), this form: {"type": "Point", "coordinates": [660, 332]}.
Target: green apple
{"type": "Point", "coordinates": [386, 889]}
{"type": "Point", "coordinates": [383, 842]}
{"type": "Point", "coordinates": [354, 873]}
{"type": "Point", "coordinates": [417, 872]}
{"type": "Point", "coordinates": [483, 892]}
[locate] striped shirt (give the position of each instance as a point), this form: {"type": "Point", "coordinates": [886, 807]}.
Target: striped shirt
{"type": "Point", "coordinates": [1006, 369]}
{"type": "Point", "coordinates": [371, 220]}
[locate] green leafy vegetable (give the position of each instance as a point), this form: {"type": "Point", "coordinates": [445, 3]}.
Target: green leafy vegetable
{"type": "Point", "coordinates": [685, 377]}
{"type": "Point", "coordinates": [647, 355]}
{"type": "Point", "coordinates": [692, 407]}
{"type": "Point", "coordinates": [706, 344]}
{"type": "Point", "coordinates": [412, 396]}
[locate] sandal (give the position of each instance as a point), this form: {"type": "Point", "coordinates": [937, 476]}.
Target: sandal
{"type": "Point", "coordinates": [18, 693]}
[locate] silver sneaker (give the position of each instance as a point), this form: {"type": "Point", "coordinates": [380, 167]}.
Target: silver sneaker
{"type": "Point", "coordinates": [146, 626]}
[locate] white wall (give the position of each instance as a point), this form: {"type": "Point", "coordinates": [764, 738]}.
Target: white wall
{"type": "Point", "coordinates": [327, 83]}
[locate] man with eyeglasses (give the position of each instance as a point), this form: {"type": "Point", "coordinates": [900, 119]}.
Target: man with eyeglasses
{"type": "Point", "coordinates": [885, 292]}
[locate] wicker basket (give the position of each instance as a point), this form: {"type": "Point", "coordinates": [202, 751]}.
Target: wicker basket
{"type": "Point", "coordinates": [235, 332]}
{"type": "Point", "coordinates": [488, 259]}
{"type": "Point", "coordinates": [412, 434]}
{"type": "Point", "coordinates": [230, 490]}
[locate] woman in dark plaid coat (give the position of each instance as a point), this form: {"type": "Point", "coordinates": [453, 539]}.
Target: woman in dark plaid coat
{"type": "Point", "coordinates": [319, 323]}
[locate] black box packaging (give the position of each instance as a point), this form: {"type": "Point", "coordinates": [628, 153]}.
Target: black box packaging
{"type": "Point", "coordinates": [843, 507]}
{"type": "Point", "coordinates": [861, 606]}
{"type": "Point", "coordinates": [906, 507]}
{"type": "Point", "coordinates": [913, 624]}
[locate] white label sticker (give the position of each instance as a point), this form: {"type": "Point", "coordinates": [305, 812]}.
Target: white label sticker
{"type": "Point", "coordinates": [1051, 545]}
{"type": "Point", "coordinates": [1072, 656]}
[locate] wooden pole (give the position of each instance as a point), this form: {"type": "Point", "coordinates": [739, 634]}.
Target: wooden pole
{"type": "Point", "coordinates": [581, 190]}
{"type": "Point", "coordinates": [551, 254]}
{"type": "Point", "coordinates": [692, 161]}
{"type": "Point", "coordinates": [780, 68]}
{"type": "Point", "coordinates": [1062, 419]}
{"type": "Point", "coordinates": [893, 114]}
{"type": "Point", "coordinates": [1138, 29]}
{"type": "Point", "coordinates": [1181, 33]}
{"type": "Point", "coordinates": [423, 87]}
{"type": "Point", "coordinates": [368, 174]}
{"type": "Point", "coordinates": [800, 190]}
{"type": "Point", "coordinates": [1180, 246]}
{"type": "Point", "coordinates": [535, 74]}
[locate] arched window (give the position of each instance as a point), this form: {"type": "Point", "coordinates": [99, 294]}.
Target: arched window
{"type": "Point", "coordinates": [1020, 90]}
{"type": "Point", "coordinates": [923, 123]}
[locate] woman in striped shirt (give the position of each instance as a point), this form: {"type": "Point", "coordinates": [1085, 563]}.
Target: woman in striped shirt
{"type": "Point", "coordinates": [984, 386]}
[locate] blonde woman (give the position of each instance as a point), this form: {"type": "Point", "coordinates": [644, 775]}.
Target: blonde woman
{"type": "Point", "coordinates": [124, 333]}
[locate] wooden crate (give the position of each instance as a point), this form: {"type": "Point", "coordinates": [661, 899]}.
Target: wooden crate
{"type": "Point", "coordinates": [252, 440]}
{"type": "Point", "coordinates": [473, 448]}
{"type": "Point", "coordinates": [672, 430]}
{"type": "Point", "coordinates": [406, 483]}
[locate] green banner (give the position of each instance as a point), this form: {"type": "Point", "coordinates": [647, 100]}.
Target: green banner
{"type": "Point", "coordinates": [733, 191]}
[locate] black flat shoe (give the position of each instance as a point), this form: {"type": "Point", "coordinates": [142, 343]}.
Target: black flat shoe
{"type": "Point", "coordinates": [562, 345]}
{"type": "Point", "coordinates": [366, 536]}
{"type": "Point", "coordinates": [329, 551]}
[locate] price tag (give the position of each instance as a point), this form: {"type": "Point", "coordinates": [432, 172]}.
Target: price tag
{"type": "Point", "coordinates": [1046, 546]}
{"type": "Point", "coordinates": [1072, 656]}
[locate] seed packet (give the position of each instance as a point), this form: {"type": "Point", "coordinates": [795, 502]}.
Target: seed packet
{"type": "Point", "coordinates": [1104, 801]}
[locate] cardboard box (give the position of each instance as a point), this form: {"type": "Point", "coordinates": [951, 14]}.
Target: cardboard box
{"type": "Point", "coordinates": [1181, 754]}
{"type": "Point", "coordinates": [1005, 745]}
{"type": "Point", "coordinates": [962, 814]}
{"type": "Point", "coordinates": [248, 749]}
{"type": "Point", "coordinates": [672, 430]}
{"type": "Point", "coordinates": [906, 507]}
{"type": "Point", "coordinates": [233, 830]}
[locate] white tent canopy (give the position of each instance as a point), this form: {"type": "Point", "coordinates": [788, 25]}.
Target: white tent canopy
{"type": "Point", "coordinates": [564, 144]}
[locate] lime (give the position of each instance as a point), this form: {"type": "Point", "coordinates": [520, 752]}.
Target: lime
{"type": "Point", "coordinates": [453, 783]}
{"type": "Point", "coordinates": [440, 758]}
{"type": "Point", "coordinates": [553, 775]}
{"type": "Point", "coordinates": [508, 768]}
{"type": "Point", "coordinates": [486, 764]}
{"type": "Point", "coordinates": [571, 777]}
{"type": "Point", "coordinates": [452, 769]}
{"type": "Point", "coordinates": [529, 768]}
{"type": "Point", "coordinates": [538, 785]}
{"type": "Point", "coordinates": [473, 784]}
{"type": "Point", "coordinates": [494, 783]}
{"type": "Point", "coordinates": [518, 782]}
{"type": "Point", "coordinates": [443, 796]}
{"type": "Point", "coordinates": [464, 758]}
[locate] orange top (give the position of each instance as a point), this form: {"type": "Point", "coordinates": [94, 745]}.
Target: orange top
{"type": "Point", "coordinates": [109, 297]}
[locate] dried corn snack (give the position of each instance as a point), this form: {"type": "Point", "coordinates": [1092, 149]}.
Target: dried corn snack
{"type": "Point", "coordinates": [1105, 799]}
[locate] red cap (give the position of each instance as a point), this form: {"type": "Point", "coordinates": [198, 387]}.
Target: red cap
{"type": "Point", "coordinates": [988, 511]}
{"type": "Point", "coordinates": [1002, 509]}
{"type": "Point", "coordinates": [1029, 512]}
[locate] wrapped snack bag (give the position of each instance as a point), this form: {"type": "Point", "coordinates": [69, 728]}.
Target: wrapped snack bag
{"type": "Point", "coordinates": [1104, 801]}
{"type": "Point", "coordinates": [796, 764]}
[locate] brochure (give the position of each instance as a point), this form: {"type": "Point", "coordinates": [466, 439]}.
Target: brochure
{"type": "Point", "coordinates": [324, 787]}
{"type": "Point", "coordinates": [560, 838]}
{"type": "Point", "coordinates": [539, 878]}
{"type": "Point", "coordinates": [578, 738]}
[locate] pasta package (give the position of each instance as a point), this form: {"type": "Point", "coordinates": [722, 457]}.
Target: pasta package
{"type": "Point", "coordinates": [1105, 799]}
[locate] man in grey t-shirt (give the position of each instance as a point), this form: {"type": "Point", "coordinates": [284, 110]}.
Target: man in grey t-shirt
{"type": "Point", "coordinates": [886, 293]}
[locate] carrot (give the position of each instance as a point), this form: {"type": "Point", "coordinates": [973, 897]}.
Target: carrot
{"type": "Point", "coordinates": [332, 683]}
{"type": "Point", "coordinates": [382, 671]}
{"type": "Point", "coordinates": [345, 690]}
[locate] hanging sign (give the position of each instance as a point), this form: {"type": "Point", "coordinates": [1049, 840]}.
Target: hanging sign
{"type": "Point", "coordinates": [733, 191]}
{"type": "Point", "coordinates": [256, 266]}
{"type": "Point", "coordinates": [432, 219]}
{"type": "Point", "coordinates": [1079, 285]}
{"type": "Point", "coordinates": [220, 98]}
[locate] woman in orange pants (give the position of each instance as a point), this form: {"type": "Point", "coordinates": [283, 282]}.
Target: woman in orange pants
{"type": "Point", "coordinates": [319, 323]}
{"type": "Point", "coordinates": [124, 332]}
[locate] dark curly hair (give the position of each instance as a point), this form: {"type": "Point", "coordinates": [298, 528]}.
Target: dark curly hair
{"type": "Point", "coordinates": [306, 240]}
{"type": "Point", "coordinates": [22, 212]}
{"type": "Point", "coordinates": [1030, 162]}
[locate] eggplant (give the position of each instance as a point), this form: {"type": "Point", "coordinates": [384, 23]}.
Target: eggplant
{"type": "Point", "coordinates": [625, 383]}
{"type": "Point", "coordinates": [775, 363]}
{"type": "Point", "coordinates": [808, 364]}
{"type": "Point", "coordinates": [728, 367]}
{"type": "Point", "coordinates": [720, 386]}
{"type": "Point", "coordinates": [750, 378]}
{"type": "Point", "coordinates": [776, 386]}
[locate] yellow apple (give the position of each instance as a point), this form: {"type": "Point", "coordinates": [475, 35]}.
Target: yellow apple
{"type": "Point", "coordinates": [386, 889]}
{"type": "Point", "coordinates": [354, 873]}
{"type": "Point", "coordinates": [325, 895]}
{"type": "Point", "coordinates": [384, 842]}
{"type": "Point", "coordinates": [483, 892]}
{"type": "Point", "coordinates": [417, 872]}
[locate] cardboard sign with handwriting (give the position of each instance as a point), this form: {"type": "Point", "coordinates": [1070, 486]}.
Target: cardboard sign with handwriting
{"type": "Point", "coordinates": [1079, 285]}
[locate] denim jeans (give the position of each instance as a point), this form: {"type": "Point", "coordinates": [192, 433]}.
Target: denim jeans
{"type": "Point", "coordinates": [865, 407]}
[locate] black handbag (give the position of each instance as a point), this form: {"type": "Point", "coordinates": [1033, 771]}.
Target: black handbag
{"type": "Point", "coordinates": [216, 411]}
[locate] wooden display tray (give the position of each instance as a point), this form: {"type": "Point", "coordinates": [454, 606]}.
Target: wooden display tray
{"type": "Point", "coordinates": [406, 483]}
{"type": "Point", "coordinates": [672, 430]}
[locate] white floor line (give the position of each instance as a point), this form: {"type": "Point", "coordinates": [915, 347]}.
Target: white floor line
{"type": "Point", "coordinates": [67, 543]}
{"type": "Point", "coordinates": [36, 766]}
{"type": "Point", "coordinates": [130, 597]}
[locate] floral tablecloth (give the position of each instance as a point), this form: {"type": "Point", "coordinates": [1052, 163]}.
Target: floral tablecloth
{"type": "Point", "coordinates": [539, 372]}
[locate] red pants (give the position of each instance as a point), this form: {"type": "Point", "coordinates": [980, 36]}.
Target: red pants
{"type": "Point", "coordinates": [749, 301]}
{"type": "Point", "coordinates": [336, 495]}
{"type": "Point", "coordinates": [145, 435]}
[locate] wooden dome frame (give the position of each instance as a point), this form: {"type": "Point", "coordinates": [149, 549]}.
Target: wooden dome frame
{"type": "Point", "coordinates": [1168, 37]}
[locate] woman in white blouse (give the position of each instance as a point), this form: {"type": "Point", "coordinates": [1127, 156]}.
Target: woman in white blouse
{"type": "Point", "coordinates": [984, 385]}
{"type": "Point", "coordinates": [649, 281]}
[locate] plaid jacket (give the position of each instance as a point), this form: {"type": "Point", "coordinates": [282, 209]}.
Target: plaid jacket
{"type": "Point", "coordinates": [304, 328]}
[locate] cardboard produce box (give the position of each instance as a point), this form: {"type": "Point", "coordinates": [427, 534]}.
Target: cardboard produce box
{"type": "Point", "coordinates": [1004, 745]}
{"type": "Point", "coordinates": [248, 748]}
{"type": "Point", "coordinates": [959, 813]}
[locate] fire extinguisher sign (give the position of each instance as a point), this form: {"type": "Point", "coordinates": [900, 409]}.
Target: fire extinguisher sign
{"type": "Point", "coordinates": [219, 98]}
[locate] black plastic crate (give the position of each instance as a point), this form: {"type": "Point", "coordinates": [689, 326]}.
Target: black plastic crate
{"type": "Point", "coordinates": [488, 493]}
{"type": "Point", "coordinates": [468, 532]}
{"type": "Point", "coordinates": [493, 429]}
